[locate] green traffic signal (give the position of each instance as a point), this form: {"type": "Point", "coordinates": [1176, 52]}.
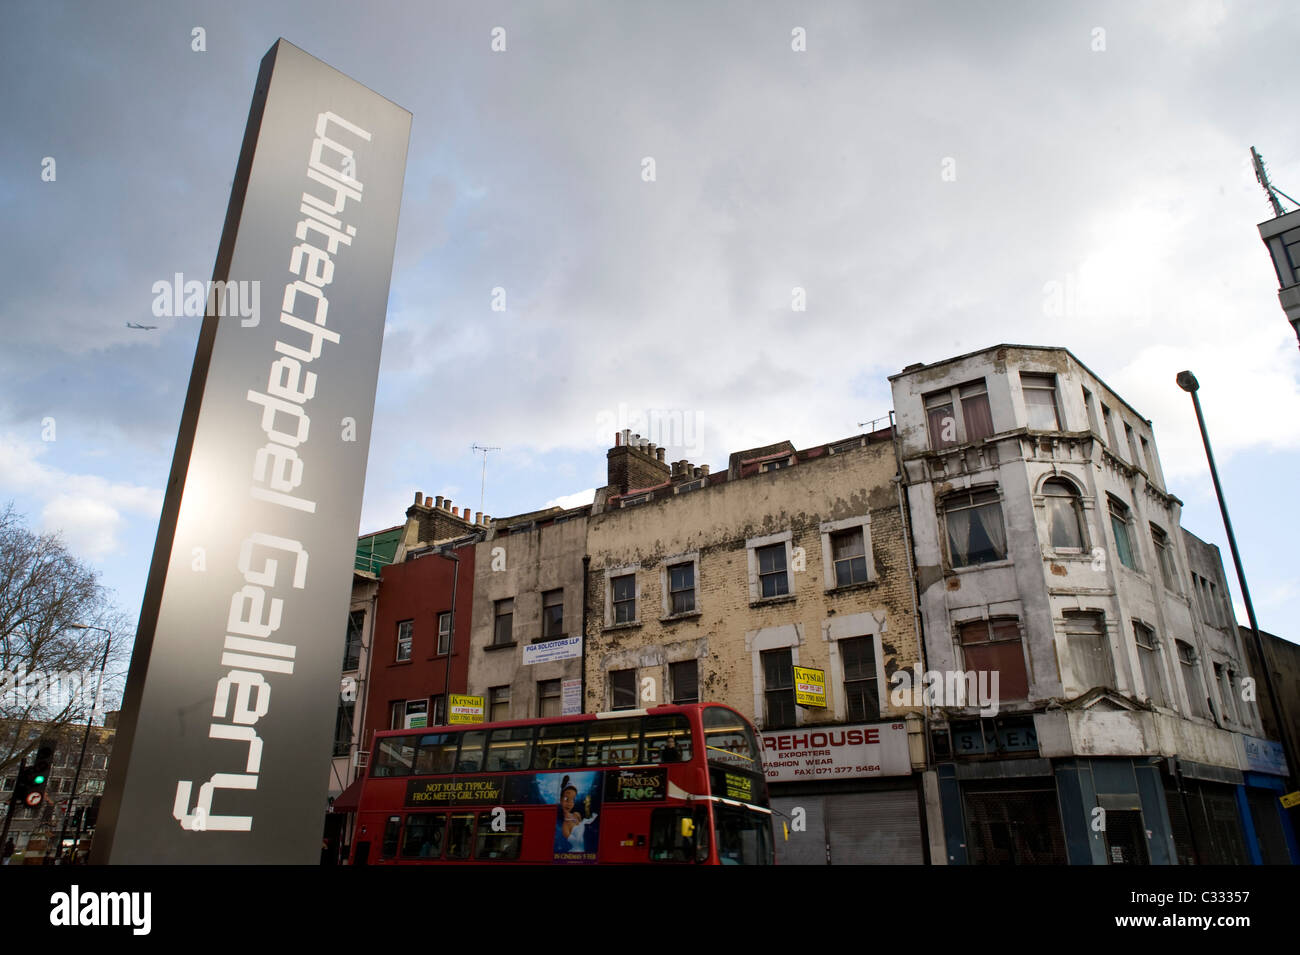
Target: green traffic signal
{"type": "Point", "coordinates": [38, 780]}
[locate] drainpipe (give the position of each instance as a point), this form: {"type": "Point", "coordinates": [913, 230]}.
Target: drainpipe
{"type": "Point", "coordinates": [586, 565]}
{"type": "Point", "coordinates": [905, 515]}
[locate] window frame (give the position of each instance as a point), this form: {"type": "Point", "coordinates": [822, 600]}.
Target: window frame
{"type": "Point", "coordinates": [1121, 515]}
{"type": "Point", "coordinates": [673, 669]}
{"type": "Point", "coordinates": [989, 626]}
{"type": "Point", "coordinates": [346, 712]}
{"type": "Point", "coordinates": [544, 695]}
{"type": "Point", "coordinates": [859, 683]}
{"type": "Point", "coordinates": [769, 722]}
{"type": "Point", "coordinates": [623, 598]}
{"type": "Point", "coordinates": [1076, 631]}
{"type": "Point", "coordinates": [354, 640]}
{"type": "Point", "coordinates": [1192, 662]}
{"type": "Point", "coordinates": [992, 495]}
{"type": "Point", "coordinates": [1150, 651]}
{"type": "Point", "coordinates": [498, 696]}
{"type": "Point", "coordinates": [552, 626]}
{"type": "Point", "coordinates": [687, 593]}
{"type": "Point", "coordinates": [1038, 382]}
{"type": "Point", "coordinates": [615, 691]}
{"type": "Point", "coordinates": [954, 397]}
{"type": "Point", "coordinates": [444, 635]}
{"type": "Point", "coordinates": [778, 577]}
{"type": "Point", "coordinates": [503, 609]}
{"type": "Point", "coordinates": [1073, 495]}
{"type": "Point", "coordinates": [406, 641]}
{"type": "Point", "coordinates": [1165, 559]}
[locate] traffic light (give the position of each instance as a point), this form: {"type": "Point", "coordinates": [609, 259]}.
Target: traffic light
{"type": "Point", "coordinates": [41, 770]}
{"type": "Point", "coordinates": [29, 789]}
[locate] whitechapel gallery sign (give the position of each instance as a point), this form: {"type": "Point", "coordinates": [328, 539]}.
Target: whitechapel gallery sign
{"type": "Point", "coordinates": [231, 699]}
{"type": "Point", "coordinates": [836, 752]}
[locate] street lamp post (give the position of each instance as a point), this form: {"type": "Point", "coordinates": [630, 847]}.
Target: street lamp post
{"type": "Point", "coordinates": [1187, 381]}
{"type": "Point", "coordinates": [76, 778]}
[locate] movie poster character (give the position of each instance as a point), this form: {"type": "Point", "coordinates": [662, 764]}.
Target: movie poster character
{"type": "Point", "coordinates": [576, 797]}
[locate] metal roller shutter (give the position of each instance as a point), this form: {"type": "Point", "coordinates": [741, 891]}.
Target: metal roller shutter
{"type": "Point", "coordinates": [809, 846]}
{"type": "Point", "coordinates": [875, 829]}
{"type": "Point", "coordinates": [881, 828]}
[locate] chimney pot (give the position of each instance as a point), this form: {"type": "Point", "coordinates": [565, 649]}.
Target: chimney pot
{"type": "Point", "coordinates": [697, 473]}
{"type": "Point", "coordinates": [419, 496]}
{"type": "Point", "coordinates": [704, 470]}
{"type": "Point", "coordinates": [627, 436]}
{"type": "Point", "coordinates": [478, 517]}
{"type": "Point", "coordinates": [446, 504]}
{"type": "Point", "coordinates": [438, 503]}
{"type": "Point", "coordinates": [659, 454]}
{"type": "Point", "coordinates": [618, 438]}
{"type": "Point", "coordinates": [428, 502]}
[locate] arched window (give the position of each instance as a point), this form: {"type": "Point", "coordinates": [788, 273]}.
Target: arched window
{"type": "Point", "coordinates": [1064, 515]}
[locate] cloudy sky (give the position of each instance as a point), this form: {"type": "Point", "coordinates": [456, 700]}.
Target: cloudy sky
{"type": "Point", "coordinates": [937, 178]}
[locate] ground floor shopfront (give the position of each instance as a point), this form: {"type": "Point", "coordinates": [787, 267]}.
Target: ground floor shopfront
{"type": "Point", "coordinates": [1109, 811]}
{"type": "Point", "coordinates": [855, 822]}
{"type": "Point", "coordinates": [847, 794]}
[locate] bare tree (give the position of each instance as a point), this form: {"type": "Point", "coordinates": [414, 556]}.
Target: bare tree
{"type": "Point", "coordinates": [49, 669]}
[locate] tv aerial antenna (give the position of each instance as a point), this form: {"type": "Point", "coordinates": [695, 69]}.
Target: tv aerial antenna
{"type": "Point", "coordinates": [483, 483]}
{"type": "Point", "coordinates": [1261, 174]}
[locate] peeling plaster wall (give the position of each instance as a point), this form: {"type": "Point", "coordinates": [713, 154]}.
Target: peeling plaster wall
{"type": "Point", "coordinates": [726, 635]}
{"type": "Point", "coordinates": [1036, 583]}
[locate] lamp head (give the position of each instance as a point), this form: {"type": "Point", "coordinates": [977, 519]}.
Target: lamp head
{"type": "Point", "coordinates": [1187, 381]}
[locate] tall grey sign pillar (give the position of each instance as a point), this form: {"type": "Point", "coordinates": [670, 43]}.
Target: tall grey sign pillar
{"type": "Point", "coordinates": [225, 736]}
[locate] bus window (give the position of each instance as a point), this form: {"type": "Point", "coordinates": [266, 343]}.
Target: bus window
{"type": "Point", "coordinates": [423, 838]}
{"type": "Point", "coordinates": [744, 838]}
{"type": "Point", "coordinates": [501, 845]}
{"type": "Point", "coordinates": [663, 735]}
{"type": "Point", "coordinates": [509, 749]}
{"type": "Point", "coordinates": [729, 740]}
{"type": "Point", "coordinates": [391, 832]}
{"type": "Point", "coordinates": [471, 751]}
{"type": "Point", "coordinates": [395, 757]}
{"type": "Point", "coordinates": [460, 835]}
{"type": "Point", "coordinates": [437, 754]}
{"type": "Point", "coordinates": [669, 839]}
{"type": "Point", "coordinates": [614, 742]}
{"type": "Point", "coordinates": [560, 747]}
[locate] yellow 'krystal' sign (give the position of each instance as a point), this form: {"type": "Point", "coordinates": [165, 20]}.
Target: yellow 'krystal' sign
{"type": "Point", "coordinates": [1291, 799]}
{"type": "Point", "coordinates": [809, 687]}
{"type": "Point", "coordinates": [465, 709]}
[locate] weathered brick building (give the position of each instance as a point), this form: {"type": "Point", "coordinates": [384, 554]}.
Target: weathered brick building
{"type": "Point", "coordinates": [715, 586]}
{"type": "Point", "coordinates": [525, 655]}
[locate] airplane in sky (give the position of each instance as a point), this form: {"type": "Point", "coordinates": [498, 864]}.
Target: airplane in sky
{"type": "Point", "coordinates": [146, 328]}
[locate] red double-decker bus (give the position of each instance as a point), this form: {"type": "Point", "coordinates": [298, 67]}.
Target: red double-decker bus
{"type": "Point", "coordinates": [666, 785]}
